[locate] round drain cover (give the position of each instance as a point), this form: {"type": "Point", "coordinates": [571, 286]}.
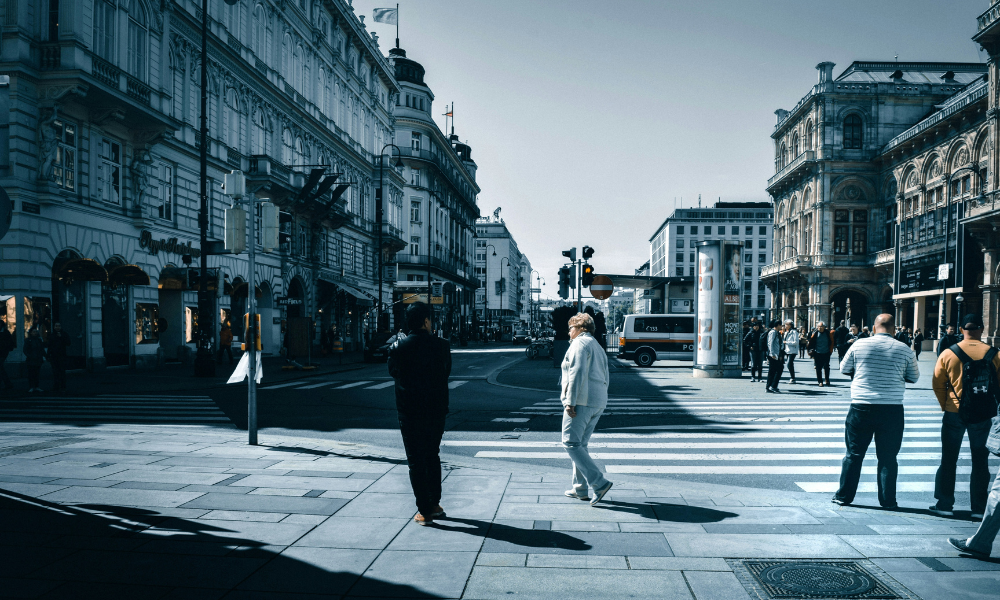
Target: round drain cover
{"type": "Point", "coordinates": [818, 579]}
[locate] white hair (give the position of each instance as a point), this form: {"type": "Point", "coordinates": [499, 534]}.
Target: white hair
{"type": "Point", "coordinates": [788, 322]}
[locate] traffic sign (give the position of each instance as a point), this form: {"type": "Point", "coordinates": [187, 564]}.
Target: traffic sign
{"type": "Point", "coordinates": [602, 287]}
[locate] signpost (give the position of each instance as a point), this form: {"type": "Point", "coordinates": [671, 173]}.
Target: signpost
{"type": "Point", "coordinates": [602, 287]}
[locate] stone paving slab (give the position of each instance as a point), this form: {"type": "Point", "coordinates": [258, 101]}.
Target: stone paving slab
{"type": "Point", "coordinates": [366, 533]}
{"type": "Point", "coordinates": [306, 506]}
{"type": "Point", "coordinates": [122, 497]}
{"type": "Point", "coordinates": [493, 583]}
{"type": "Point", "coordinates": [760, 546]}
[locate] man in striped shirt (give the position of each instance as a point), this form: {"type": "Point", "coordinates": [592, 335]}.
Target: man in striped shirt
{"type": "Point", "coordinates": [880, 367]}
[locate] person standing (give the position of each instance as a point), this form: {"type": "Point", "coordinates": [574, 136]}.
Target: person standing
{"type": "Point", "coordinates": [420, 364]}
{"type": "Point", "coordinates": [802, 345]}
{"type": "Point", "coordinates": [840, 335]}
{"type": "Point", "coordinates": [880, 368]}
{"type": "Point", "coordinates": [59, 341]}
{"type": "Point", "coordinates": [7, 343]}
{"type": "Point", "coordinates": [34, 355]}
{"type": "Point", "coordinates": [864, 333]}
{"type": "Point", "coordinates": [751, 341]}
{"type": "Point", "coordinates": [918, 343]}
{"type": "Point", "coordinates": [746, 349]}
{"type": "Point", "coordinates": [225, 343]}
{"type": "Point", "coordinates": [584, 396]}
{"type": "Point", "coordinates": [947, 340]}
{"type": "Point", "coordinates": [821, 346]}
{"type": "Point", "coordinates": [790, 341]}
{"type": "Point", "coordinates": [952, 385]}
{"type": "Point", "coordinates": [775, 361]}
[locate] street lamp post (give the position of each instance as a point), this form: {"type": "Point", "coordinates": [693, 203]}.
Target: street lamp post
{"type": "Point", "coordinates": [531, 304]}
{"type": "Point", "coordinates": [486, 291]}
{"type": "Point", "coordinates": [379, 215]}
{"type": "Point", "coordinates": [947, 237]}
{"type": "Point", "coordinates": [204, 363]}
{"type": "Point", "coordinates": [503, 291]}
{"type": "Point", "coordinates": [777, 280]}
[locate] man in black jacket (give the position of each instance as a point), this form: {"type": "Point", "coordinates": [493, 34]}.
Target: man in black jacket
{"type": "Point", "coordinates": [421, 364]}
{"type": "Point", "coordinates": [948, 340]}
{"type": "Point", "coordinates": [840, 337]}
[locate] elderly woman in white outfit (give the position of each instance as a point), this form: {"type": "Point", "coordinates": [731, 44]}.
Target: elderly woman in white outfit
{"type": "Point", "coordinates": [584, 396]}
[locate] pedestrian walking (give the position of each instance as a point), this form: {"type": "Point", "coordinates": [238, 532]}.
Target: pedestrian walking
{"type": "Point", "coordinates": [420, 364]}
{"type": "Point", "coordinates": [225, 343]}
{"type": "Point", "coordinates": [746, 348]}
{"type": "Point", "coordinates": [775, 355]}
{"type": "Point", "coordinates": [584, 396]}
{"type": "Point", "coordinates": [34, 355]}
{"type": "Point", "coordinates": [790, 340]}
{"type": "Point", "coordinates": [965, 383]}
{"type": "Point", "coordinates": [840, 336]}
{"type": "Point", "coordinates": [59, 341]}
{"type": "Point", "coordinates": [802, 345]}
{"type": "Point", "coordinates": [918, 343]}
{"type": "Point", "coordinates": [880, 368]}
{"type": "Point", "coordinates": [865, 333]}
{"type": "Point", "coordinates": [947, 340]}
{"type": "Point", "coordinates": [821, 346]}
{"type": "Point", "coordinates": [752, 340]}
{"type": "Point", "coordinates": [7, 343]}
{"type": "Point", "coordinates": [981, 542]}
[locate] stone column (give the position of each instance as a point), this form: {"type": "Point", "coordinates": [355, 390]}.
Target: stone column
{"type": "Point", "coordinates": [919, 308]}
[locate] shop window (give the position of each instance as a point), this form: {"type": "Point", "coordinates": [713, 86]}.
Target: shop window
{"type": "Point", "coordinates": [840, 239]}
{"type": "Point", "coordinates": [852, 132]}
{"type": "Point", "coordinates": [109, 171]}
{"type": "Point", "coordinates": [37, 315]}
{"type": "Point", "coordinates": [146, 323]}
{"type": "Point", "coordinates": [191, 330]}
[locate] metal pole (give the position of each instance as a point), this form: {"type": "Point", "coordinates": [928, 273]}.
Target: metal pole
{"type": "Point", "coordinates": [430, 245]}
{"type": "Point", "coordinates": [947, 236]}
{"type": "Point", "coordinates": [378, 219]}
{"type": "Point", "coordinates": [252, 305]}
{"type": "Point", "coordinates": [204, 364]}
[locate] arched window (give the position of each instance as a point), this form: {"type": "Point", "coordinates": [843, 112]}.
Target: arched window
{"type": "Point", "coordinates": [104, 30]}
{"type": "Point", "coordinates": [259, 133]}
{"type": "Point", "coordinates": [809, 136]}
{"type": "Point", "coordinates": [259, 31]}
{"type": "Point", "coordinates": [287, 150]}
{"type": "Point", "coordinates": [795, 145]}
{"type": "Point", "coordinates": [138, 33]}
{"type": "Point", "coordinates": [784, 156]}
{"type": "Point", "coordinates": [321, 91]}
{"type": "Point", "coordinates": [852, 132]}
{"type": "Point", "coordinates": [286, 58]}
{"type": "Point", "coordinates": [299, 152]}
{"type": "Point", "coordinates": [233, 119]}
{"type": "Point", "coordinates": [297, 66]}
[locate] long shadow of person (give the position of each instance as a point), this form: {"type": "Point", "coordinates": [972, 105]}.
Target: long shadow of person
{"type": "Point", "coordinates": [531, 538]}
{"type": "Point", "coordinates": [673, 513]}
{"type": "Point", "coordinates": [100, 551]}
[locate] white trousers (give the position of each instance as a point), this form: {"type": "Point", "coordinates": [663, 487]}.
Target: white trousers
{"type": "Point", "coordinates": [576, 432]}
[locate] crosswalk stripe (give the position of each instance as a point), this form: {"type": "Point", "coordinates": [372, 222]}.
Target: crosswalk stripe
{"type": "Point", "coordinates": [454, 384]}
{"type": "Point", "coordinates": [655, 429]}
{"type": "Point", "coordinates": [871, 486]}
{"type": "Point", "coordinates": [843, 413]}
{"type": "Point", "coordinates": [353, 384]}
{"type": "Point", "coordinates": [379, 386]}
{"type": "Point", "coordinates": [316, 385]}
{"type": "Point", "coordinates": [678, 445]}
{"type": "Point", "coordinates": [768, 470]}
{"type": "Point", "coordinates": [686, 456]}
{"type": "Point", "coordinates": [281, 385]}
{"type": "Point", "coordinates": [92, 417]}
{"type": "Point", "coordinates": [730, 418]}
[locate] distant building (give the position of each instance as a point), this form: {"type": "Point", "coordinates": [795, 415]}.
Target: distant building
{"type": "Point", "coordinates": [502, 296]}
{"type": "Point", "coordinates": [672, 247]}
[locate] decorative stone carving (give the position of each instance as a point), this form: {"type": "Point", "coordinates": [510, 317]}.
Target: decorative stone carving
{"type": "Point", "coordinates": [935, 170]}
{"type": "Point", "coordinates": [48, 142]}
{"type": "Point", "coordinates": [911, 180]}
{"type": "Point", "coordinates": [139, 169]}
{"type": "Point", "coordinates": [962, 158]}
{"type": "Point", "coordinates": [852, 193]}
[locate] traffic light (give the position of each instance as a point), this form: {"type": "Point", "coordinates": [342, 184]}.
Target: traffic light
{"type": "Point", "coordinates": [570, 254]}
{"type": "Point", "coordinates": [564, 282]}
{"type": "Point", "coordinates": [588, 273]}
{"type": "Point", "coordinates": [587, 253]}
{"type": "Point", "coordinates": [284, 228]}
{"type": "Point", "coordinates": [236, 230]}
{"type": "Point", "coordinates": [248, 335]}
{"type": "Point", "coordinates": [270, 225]}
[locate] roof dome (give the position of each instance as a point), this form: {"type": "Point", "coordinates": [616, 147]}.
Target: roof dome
{"type": "Point", "coordinates": [406, 69]}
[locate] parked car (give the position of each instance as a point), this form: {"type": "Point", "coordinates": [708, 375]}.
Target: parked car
{"type": "Point", "coordinates": [521, 336]}
{"type": "Point", "coordinates": [377, 348]}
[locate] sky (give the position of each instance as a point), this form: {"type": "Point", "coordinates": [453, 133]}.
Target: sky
{"type": "Point", "coordinates": [590, 121]}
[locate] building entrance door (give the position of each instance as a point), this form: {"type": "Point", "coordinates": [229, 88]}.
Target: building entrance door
{"type": "Point", "coordinates": [114, 320]}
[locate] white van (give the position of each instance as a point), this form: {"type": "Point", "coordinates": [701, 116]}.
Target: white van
{"type": "Point", "coordinates": [648, 338]}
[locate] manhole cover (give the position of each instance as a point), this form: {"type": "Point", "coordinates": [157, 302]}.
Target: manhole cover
{"type": "Point", "coordinates": [826, 579]}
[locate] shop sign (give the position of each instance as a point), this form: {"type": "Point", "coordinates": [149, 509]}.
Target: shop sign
{"type": "Point", "coordinates": [285, 301]}
{"type": "Point", "coordinates": [919, 279]}
{"type": "Point", "coordinates": [171, 246]}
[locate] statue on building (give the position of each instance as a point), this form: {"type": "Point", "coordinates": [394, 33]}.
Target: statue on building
{"type": "Point", "coordinates": [48, 144]}
{"type": "Point", "coordinates": [140, 175]}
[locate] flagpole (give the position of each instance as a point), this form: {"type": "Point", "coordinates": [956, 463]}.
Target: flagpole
{"type": "Point", "coordinates": [397, 40]}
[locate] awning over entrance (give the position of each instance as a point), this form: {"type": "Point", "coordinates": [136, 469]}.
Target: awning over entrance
{"type": "Point", "coordinates": [363, 298]}
{"type": "Point", "coordinates": [82, 269]}
{"type": "Point", "coordinates": [127, 275]}
{"type": "Point", "coordinates": [172, 278]}
{"type": "Point", "coordinates": [242, 289]}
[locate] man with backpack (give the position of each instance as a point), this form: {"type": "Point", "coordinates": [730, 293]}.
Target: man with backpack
{"type": "Point", "coordinates": [775, 356]}
{"type": "Point", "coordinates": [965, 383]}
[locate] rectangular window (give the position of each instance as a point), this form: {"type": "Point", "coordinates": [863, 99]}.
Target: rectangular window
{"type": "Point", "coordinates": [680, 271]}
{"type": "Point", "coordinates": [414, 245]}
{"type": "Point", "coordinates": [760, 300]}
{"type": "Point", "coordinates": [680, 257]}
{"type": "Point", "coordinates": [691, 257]}
{"type": "Point", "coordinates": [841, 216]}
{"type": "Point", "coordinates": [415, 141]}
{"type": "Point", "coordinates": [763, 230]}
{"type": "Point", "coordinates": [415, 176]}
{"type": "Point", "coordinates": [749, 230]}
{"type": "Point", "coordinates": [64, 161]}
{"type": "Point", "coordinates": [104, 29]}
{"type": "Point", "coordinates": [746, 301]}
{"type": "Point", "coordinates": [748, 271]}
{"type": "Point", "coordinates": [860, 242]}
{"type": "Point", "coordinates": [747, 285]}
{"type": "Point", "coordinates": [762, 258]}
{"type": "Point", "coordinates": [694, 230]}
{"type": "Point", "coordinates": [692, 243]}
{"type": "Point", "coordinates": [303, 241]}
{"type": "Point", "coordinates": [109, 171]}
{"type": "Point", "coordinates": [166, 208]}
{"type": "Point", "coordinates": [680, 230]}
{"type": "Point", "coordinates": [748, 257]}
{"type": "Point", "coordinates": [748, 244]}
{"type": "Point", "coordinates": [147, 318]}
{"type": "Point", "coordinates": [762, 243]}
{"type": "Point", "coordinates": [722, 230]}
{"type": "Point", "coordinates": [735, 230]}
{"type": "Point", "coordinates": [414, 211]}
{"type": "Point", "coordinates": [680, 243]}
{"type": "Point", "coordinates": [840, 235]}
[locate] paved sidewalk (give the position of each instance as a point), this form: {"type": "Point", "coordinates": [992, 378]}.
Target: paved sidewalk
{"type": "Point", "coordinates": [121, 511]}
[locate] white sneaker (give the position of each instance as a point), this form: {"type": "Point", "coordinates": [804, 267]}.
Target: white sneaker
{"type": "Point", "coordinates": [599, 494]}
{"type": "Point", "coordinates": [573, 494]}
{"type": "Point", "coordinates": [977, 516]}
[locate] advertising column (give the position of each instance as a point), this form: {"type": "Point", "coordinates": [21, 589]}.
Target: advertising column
{"type": "Point", "coordinates": [717, 310]}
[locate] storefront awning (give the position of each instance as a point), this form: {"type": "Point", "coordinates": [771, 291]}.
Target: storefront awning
{"type": "Point", "coordinates": [172, 278]}
{"type": "Point", "coordinates": [241, 289]}
{"type": "Point", "coordinates": [127, 275]}
{"type": "Point", "coordinates": [362, 298]}
{"type": "Point", "coordinates": [83, 269]}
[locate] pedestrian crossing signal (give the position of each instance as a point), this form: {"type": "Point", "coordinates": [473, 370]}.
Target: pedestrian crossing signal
{"type": "Point", "coordinates": [248, 335]}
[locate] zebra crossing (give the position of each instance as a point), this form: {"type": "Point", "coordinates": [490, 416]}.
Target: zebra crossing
{"type": "Point", "coordinates": [114, 408]}
{"type": "Point", "coordinates": [795, 438]}
{"type": "Point", "coordinates": [340, 384]}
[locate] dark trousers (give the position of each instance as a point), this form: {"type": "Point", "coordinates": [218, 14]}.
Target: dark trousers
{"type": "Point", "coordinates": [757, 364]}
{"type": "Point", "coordinates": [422, 441]}
{"type": "Point", "coordinates": [952, 431]}
{"type": "Point", "coordinates": [791, 366]}
{"type": "Point", "coordinates": [228, 350]}
{"type": "Point", "coordinates": [4, 378]}
{"type": "Point", "coordinates": [774, 369]}
{"type": "Point", "coordinates": [884, 422]}
{"type": "Point", "coordinates": [34, 376]}
{"type": "Point", "coordinates": [58, 373]}
{"type": "Point", "coordinates": [822, 362]}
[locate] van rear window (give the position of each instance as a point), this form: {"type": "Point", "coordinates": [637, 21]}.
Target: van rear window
{"type": "Point", "coordinates": [664, 325]}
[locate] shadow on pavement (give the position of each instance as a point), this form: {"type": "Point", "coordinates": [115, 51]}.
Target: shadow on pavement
{"type": "Point", "coordinates": [532, 538]}
{"type": "Point", "coordinates": [314, 452]}
{"type": "Point", "coordinates": [674, 513]}
{"type": "Point", "coordinates": [56, 551]}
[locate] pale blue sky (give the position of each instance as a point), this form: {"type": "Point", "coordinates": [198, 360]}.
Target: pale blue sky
{"type": "Point", "coordinates": [587, 118]}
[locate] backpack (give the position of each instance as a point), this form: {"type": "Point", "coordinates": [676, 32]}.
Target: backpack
{"type": "Point", "coordinates": [980, 391]}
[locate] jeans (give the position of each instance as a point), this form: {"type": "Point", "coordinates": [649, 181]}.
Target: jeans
{"type": "Point", "coordinates": [422, 442]}
{"type": "Point", "coordinates": [885, 423]}
{"type": "Point", "coordinates": [774, 368]}
{"type": "Point", "coordinates": [34, 376]}
{"type": "Point", "coordinates": [791, 366]}
{"type": "Point", "coordinates": [576, 432]}
{"type": "Point", "coordinates": [822, 361]}
{"type": "Point", "coordinates": [227, 350]}
{"type": "Point", "coordinates": [982, 540]}
{"type": "Point", "coordinates": [757, 364]}
{"type": "Point", "coordinates": [952, 432]}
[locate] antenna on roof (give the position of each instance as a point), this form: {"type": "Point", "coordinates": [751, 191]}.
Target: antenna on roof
{"type": "Point", "coordinates": [897, 57]}
{"type": "Point", "coordinates": [699, 200]}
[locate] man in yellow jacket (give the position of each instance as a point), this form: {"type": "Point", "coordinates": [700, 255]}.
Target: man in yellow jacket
{"type": "Point", "coordinates": [947, 385]}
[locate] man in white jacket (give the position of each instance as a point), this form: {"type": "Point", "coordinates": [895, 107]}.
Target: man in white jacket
{"type": "Point", "coordinates": [790, 339]}
{"type": "Point", "coordinates": [584, 396]}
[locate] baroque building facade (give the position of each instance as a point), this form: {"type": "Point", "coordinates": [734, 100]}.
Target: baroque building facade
{"type": "Point", "coordinates": [837, 203]}
{"type": "Point", "coordinates": [101, 162]}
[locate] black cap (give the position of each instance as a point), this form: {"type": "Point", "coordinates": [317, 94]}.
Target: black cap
{"type": "Point", "coordinates": [972, 321]}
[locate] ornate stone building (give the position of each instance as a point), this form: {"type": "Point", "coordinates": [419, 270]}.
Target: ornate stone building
{"type": "Point", "coordinates": [100, 156]}
{"type": "Point", "coordinates": [838, 155]}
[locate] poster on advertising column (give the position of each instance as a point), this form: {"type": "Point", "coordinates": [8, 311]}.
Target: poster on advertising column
{"type": "Point", "coordinates": [732, 337]}
{"type": "Point", "coordinates": [707, 306]}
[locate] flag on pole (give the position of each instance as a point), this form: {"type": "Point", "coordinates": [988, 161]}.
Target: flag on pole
{"type": "Point", "coordinates": [386, 15]}
{"type": "Point", "coordinates": [450, 113]}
